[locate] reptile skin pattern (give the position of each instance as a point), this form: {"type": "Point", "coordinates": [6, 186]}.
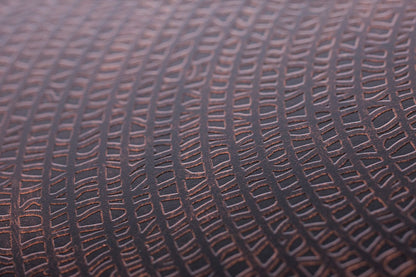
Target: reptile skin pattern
{"type": "Point", "coordinates": [208, 138]}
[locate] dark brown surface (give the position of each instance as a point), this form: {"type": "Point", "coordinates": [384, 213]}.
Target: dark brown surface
{"type": "Point", "coordinates": [204, 138]}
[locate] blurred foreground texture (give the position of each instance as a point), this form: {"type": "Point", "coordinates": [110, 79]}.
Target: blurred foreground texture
{"type": "Point", "coordinates": [208, 138]}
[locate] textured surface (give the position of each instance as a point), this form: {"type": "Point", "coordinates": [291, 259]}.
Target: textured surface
{"type": "Point", "coordinates": [208, 138]}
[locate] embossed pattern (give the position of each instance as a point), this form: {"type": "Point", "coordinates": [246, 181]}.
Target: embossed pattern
{"type": "Point", "coordinates": [208, 138]}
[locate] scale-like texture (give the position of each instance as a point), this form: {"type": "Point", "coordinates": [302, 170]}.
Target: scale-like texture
{"type": "Point", "coordinates": [204, 137]}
